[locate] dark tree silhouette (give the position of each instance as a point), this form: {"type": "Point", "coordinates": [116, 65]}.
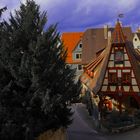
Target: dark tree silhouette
{"type": "Point", "coordinates": [35, 82]}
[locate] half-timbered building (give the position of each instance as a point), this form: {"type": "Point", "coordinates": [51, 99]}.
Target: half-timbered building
{"type": "Point", "coordinates": [114, 76]}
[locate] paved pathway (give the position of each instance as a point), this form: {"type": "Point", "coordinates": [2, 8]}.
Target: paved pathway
{"type": "Point", "coordinates": [80, 130]}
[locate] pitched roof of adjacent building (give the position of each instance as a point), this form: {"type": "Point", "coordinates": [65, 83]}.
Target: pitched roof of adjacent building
{"type": "Point", "coordinates": [95, 40]}
{"type": "Point", "coordinates": [99, 64]}
{"type": "Point", "coordinates": [71, 39]}
{"type": "Point", "coordinates": [138, 34]}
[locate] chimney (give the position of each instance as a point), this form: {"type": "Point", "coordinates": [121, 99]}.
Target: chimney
{"type": "Point", "coordinates": [109, 37]}
{"type": "Point", "coordinates": [105, 31]}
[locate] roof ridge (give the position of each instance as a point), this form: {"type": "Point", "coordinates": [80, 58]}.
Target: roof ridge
{"type": "Point", "coordinates": [118, 36]}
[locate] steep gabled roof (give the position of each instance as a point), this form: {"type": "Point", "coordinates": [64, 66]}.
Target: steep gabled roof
{"type": "Point", "coordinates": [118, 36]}
{"type": "Point", "coordinates": [99, 64]}
{"type": "Point", "coordinates": [135, 60]}
{"type": "Point", "coordinates": [94, 41]}
{"type": "Point", "coordinates": [138, 34]}
{"type": "Point", "coordinates": [70, 40]}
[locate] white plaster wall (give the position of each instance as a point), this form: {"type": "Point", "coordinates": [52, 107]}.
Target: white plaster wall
{"type": "Point", "coordinates": [136, 43]}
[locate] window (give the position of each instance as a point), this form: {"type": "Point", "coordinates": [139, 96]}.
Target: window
{"type": "Point", "coordinates": [112, 78]}
{"type": "Point", "coordinates": [126, 78]}
{"type": "Point", "coordinates": [135, 39]}
{"type": "Point", "coordinates": [119, 57]}
{"type": "Point", "coordinates": [80, 46]}
{"type": "Point", "coordinates": [78, 55]}
{"type": "Point", "coordinates": [79, 67]}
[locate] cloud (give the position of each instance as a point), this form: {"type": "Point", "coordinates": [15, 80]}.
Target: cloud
{"type": "Point", "coordinates": [84, 13]}
{"type": "Point", "coordinates": [76, 15]}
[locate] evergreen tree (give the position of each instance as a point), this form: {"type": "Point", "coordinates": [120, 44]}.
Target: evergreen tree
{"type": "Point", "coordinates": [2, 10]}
{"type": "Point", "coordinates": [1, 23]}
{"type": "Point", "coordinates": [35, 82]}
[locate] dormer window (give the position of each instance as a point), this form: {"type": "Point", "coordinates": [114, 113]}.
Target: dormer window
{"type": "Point", "coordinates": [78, 55]}
{"type": "Point", "coordinates": [119, 57]}
{"type": "Point", "coordinates": [135, 39]}
{"type": "Point", "coordinates": [80, 46]}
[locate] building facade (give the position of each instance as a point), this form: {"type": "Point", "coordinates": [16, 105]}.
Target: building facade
{"type": "Point", "coordinates": [96, 39]}
{"type": "Point", "coordinates": [113, 76]}
{"type": "Point", "coordinates": [83, 47]}
{"type": "Point", "coordinates": [73, 45]}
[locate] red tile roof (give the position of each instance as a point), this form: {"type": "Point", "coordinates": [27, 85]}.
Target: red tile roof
{"type": "Point", "coordinates": [70, 40]}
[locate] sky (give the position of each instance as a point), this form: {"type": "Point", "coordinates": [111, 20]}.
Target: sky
{"type": "Point", "coordinates": [78, 15]}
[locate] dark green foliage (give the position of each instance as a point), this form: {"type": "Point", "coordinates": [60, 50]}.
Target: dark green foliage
{"type": "Point", "coordinates": [116, 120]}
{"type": "Point", "coordinates": [1, 23]}
{"type": "Point", "coordinates": [35, 82]}
{"type": "Point", "coordinates": [2, 10]}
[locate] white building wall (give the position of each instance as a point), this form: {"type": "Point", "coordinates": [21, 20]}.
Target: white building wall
{"type": "Point", "coordinates": [136, 42]}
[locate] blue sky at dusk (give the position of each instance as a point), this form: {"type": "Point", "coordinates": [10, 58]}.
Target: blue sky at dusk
{"type": "Point", "coordinates": [78, 15]}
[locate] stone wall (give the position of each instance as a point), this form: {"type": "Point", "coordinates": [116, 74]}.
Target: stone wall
{"type": "Point", "coordinates": [60, 134]}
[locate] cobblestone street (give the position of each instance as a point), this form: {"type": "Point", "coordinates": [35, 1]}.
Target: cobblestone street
{"type": "Point", "coordinates": [82, 128]}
